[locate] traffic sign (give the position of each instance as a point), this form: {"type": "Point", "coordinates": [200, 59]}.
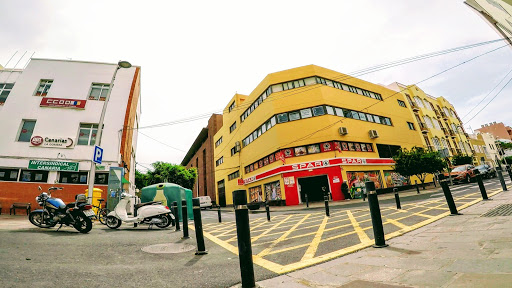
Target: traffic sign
{"type": "Point", "coordinates": [98, 155]}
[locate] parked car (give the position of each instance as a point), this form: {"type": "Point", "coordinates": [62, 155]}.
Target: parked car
{"type": "Point", "coordinates": [205, 202]}
{"type": "Point", "coordinates": [463, 173]}
{"type": "Point", "coordinates": [486, 171]}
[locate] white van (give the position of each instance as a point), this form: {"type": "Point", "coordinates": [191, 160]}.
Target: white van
{"type": "Point", "coordinates": [205, 202]}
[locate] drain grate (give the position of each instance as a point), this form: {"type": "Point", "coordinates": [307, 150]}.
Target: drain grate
{"type": "Point", "coordinates": [502, 210]}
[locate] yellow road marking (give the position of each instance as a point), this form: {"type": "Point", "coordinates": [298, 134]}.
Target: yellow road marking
{"type": "Point", "coordinates": [310, 253]}
{"type": "Point", "coordinates": [396, 223]}
{"type": "Point", "coordinates": [360, 233]}
{"type": "Point", "coordinates": [270, 229]}
{"type": "Point", "coordinates": [274, 243]}
{"type": "Point", "coordinates": [252, 231]}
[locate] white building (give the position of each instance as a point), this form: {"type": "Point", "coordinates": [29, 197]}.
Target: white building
{"type": "Point", "coordinates": [490, 146]}
{"type": "Point", "coordinates": [50, 112]}
{"type": "Point", "coordinates": [497, 13]}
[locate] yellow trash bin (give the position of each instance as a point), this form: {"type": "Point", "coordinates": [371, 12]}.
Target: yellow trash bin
{"type": "Point", "coordinates": [96, 194]}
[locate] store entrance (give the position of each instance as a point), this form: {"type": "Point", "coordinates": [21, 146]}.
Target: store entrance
{"type": "Point", "coordinates": [313, 187]}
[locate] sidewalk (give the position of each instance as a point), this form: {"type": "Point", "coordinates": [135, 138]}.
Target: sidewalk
{"type": "Point", "coordinates": [461, 251]}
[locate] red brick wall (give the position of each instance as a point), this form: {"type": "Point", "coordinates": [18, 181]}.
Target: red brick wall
{"type": "Point", "coordinates": [11, 192]}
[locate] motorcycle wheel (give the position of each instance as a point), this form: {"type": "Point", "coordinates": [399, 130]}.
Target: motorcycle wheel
{"type": "Point", "coordinates": [103, 216]}
{"type": "Point", "coordinates": [112, 222]}
{"type": "Point", "coordinates": [82, 223]}
{"type": "Point", "coordinates": [36, 219]}
{"type": "Point", "coordinates": [166, 221]}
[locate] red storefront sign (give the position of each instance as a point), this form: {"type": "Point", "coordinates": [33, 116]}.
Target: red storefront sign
{"type": "Point", "coordinates": [241, 182]}
{"type": "Point", "coordinates": [62, 103]}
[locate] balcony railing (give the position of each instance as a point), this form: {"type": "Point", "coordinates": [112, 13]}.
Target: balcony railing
{"type": "Point", "coordinates": [459, 151]}
{"type": "Point", "coordinates": [454, 152]}
{"type": "Point", "coordinates": [445, 117]}
{"type": "Point", "coordinates": [437, 114]}
{"type": "Point", "coordinates": [414, 106]}
{"type": "Point", "coordinates": [423, 127]}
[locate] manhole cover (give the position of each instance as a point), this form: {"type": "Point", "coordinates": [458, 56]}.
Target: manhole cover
{"type": "Point", "coordinates": [502, 210]}
{"type": "Point", "coordinates": [168, 248]}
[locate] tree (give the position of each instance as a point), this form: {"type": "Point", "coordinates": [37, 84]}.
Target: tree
{"type": "Point", "coordinates": [461, 160]}
{"type": "Point", "coordinates": [418, 162]}
{"type": "Point", "coordinates": [505, 145]}
{"type": "Point", "coordinates": [167, 172]}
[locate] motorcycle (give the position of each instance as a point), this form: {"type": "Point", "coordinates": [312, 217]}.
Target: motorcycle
{"type": "Point", "coordinates": [54, 211]}
{"type": "Point", "coordinates": [145, 213]}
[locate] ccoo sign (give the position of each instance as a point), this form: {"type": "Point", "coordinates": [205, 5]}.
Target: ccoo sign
{"type": "Point", "coordinates": [62, 103]}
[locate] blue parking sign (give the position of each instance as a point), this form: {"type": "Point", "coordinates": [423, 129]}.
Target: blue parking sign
{"type": "Point", "coordinates": [98, 155]}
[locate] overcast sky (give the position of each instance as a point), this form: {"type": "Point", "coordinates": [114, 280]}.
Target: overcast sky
{"type": "Point", "coordinates": [196, 54]}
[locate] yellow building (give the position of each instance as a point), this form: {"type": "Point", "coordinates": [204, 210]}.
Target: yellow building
{"type": "Point", "coordinates": [481, 155]}
{"type": "Point", "coordinates": [305, 130]}
{"type": "Point", "coordinates": [437, 120]}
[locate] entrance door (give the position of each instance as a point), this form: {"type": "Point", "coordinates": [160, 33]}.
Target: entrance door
{"type": "Point", "coordinates": [313, 187]}
{"type": "Point", "coordinates": [222, 193]}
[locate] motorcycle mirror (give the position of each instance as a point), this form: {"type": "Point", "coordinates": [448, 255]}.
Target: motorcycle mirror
{"type": "Point", "coordinates": [39, 188]}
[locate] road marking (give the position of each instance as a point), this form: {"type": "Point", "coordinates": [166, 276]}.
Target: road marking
{"type": "Point", "coordinates": [396, 223]}
{"type": "Point", "coordinates": [360, 233]}
{"type": "Point", "coordinates": [310, 253]}
{"type": "Point", "coordinates": [272, 228]}
{"type": "Point", "coordinates": [283, 237]}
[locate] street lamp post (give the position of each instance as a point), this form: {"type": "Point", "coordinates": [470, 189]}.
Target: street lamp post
{"type": "Point", "coordinates": [97, 142]}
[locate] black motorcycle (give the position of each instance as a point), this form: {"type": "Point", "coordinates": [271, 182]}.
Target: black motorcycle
{"type": "Point", "coordinates": [55, 211]}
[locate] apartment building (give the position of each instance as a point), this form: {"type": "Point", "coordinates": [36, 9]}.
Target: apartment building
{"type": "Point", "coordinates": [497, 13]}
{"type": "Point", "coordinates": [498, 130]}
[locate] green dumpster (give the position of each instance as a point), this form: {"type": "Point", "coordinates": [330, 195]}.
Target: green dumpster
{"type": "Point", "coordinates": [168, 193]}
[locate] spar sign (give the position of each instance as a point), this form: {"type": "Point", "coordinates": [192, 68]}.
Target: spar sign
{"type": "Point", "coordinates": [62, 103]}
{"type": "Point", "coordinates": [52, 165]}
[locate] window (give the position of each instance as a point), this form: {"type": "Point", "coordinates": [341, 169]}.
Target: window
{"type": "Point", "coordinates": [232, 106]}
{"type": "Point", "coordinates": [5, 90]}
{"type": "Point", "coordinates": [330, 110]}
{"type": "Point", "coordinates": [218, 141]}
{"type": "Point", "coordinates": [294, 116]}
{"type": "Point", "coordinates": [234, 175]}
{"type": "Point", "coordinates": [219, 161]}
{"type": "Point", "coordinates": [411, 125]}
{"type": "Point", "coordinates": [99, 91]}
{"type": "Point", "coordinates": [232, 127]}
{"type": "Point", "coordinates": [428, 121]}
{"type": "Point", "coordinates": [101, 178]}
{"type": "Point", "coordinates": [87, 134]}
{"type": "Point", "coordinates": [401, 103]}
{"type": "Point", "coordinates": [73, 177]}
{"type": "Point", "coordinates": [44, 87]}
{"type": "Point", "coordinates": [27, 129]}
{"type": "Point", "coordinates": [34, 176]}
{"type": "Point", "coordinates": [318, 111]}
{"type": "Point", "coordinates": [9, 174]}
{"type": "Point", "coordinates": [387, 151]}
{"type": "Point", "coordinates": [281, 118]}
{"type": "Point", "coordinates": [233, 151]}
{"type": "Point", "coordinates": [419, 101]}
{"type": "Point", "coordinates": [305, 113]}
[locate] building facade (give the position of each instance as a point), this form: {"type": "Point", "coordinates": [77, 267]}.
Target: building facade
{"type": "Point", "coordinates": [481, 154]}
{"type": "Point", "coordinates": [303, 131]}
{"type": "Point", "coordinates": [200, 155]}
{"type": "Point", "coordinates": [497, 13]}
{"type": "Point", "coordinates": [437, 120]}
{"type": "Point", "coordinates": [51, 114]}
{"type": "Point", "coordinates": [498, 130]}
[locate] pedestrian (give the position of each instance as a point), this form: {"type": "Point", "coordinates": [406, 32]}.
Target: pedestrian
{"type": "Point", "coordinates": [363, 193]}
{"type": "Point", "coordinates": [344, 190]}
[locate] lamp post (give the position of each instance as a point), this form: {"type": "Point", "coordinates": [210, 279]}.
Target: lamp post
{"type": "Point", "coordinates": [97, 142]}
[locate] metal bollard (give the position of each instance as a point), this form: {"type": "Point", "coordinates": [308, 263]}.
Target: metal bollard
{"type": "Point", "coordinates": [243, 233]}
{"type": "Point", "coordinates": [196, 205]}
{"type": "Point", "coordinates": [373, 202]}
{"type": "Point", "coordinates": [449, 198]}
{"type": "Point", "coordinates": [502, 181]}
{"type": "Point", "coordinates": [397, 199]}
{"type": "Point", "coordinates": [417, 188]}
{"type": "Point", "coordinates": [184, 214]}
{"type": "Point", "coordinates": [176, 215]}
{"type": "Point", "coordinates": [268, 210]}
{"type": "Point", "coordinates": [218, 213]}
{"type": "Point", "coordinates": [326, 201]}
{"type": "Point", "coordinates": [509, 172]}
{"type": "Point", "coordinates": [307, 201]}
{"type": "Point", "coordinates": [482, 187]}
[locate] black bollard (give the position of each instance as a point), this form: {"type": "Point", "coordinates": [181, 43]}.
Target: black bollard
{"type": "Point", "coordinates": [184, 214]}
{"type": "Point", "coordinates": [176, 215]}
{"type": "Point", "coordinates": [243, 233]}
{"type": "Point", "coordinates": [268, 210]}
{"type": "Point", "coordinates": [449, 198]}
{"type": "Point", "coordinates": [502, 181]}
{"type": "Point", "coordinates": [307, 201]}
{"type": "Point", "coordinates": [482, 187]}
{"type": "Point", "coordinates": [417, 188]}
{"type": "Point", "coordinates": [326, 201]}
{"type": "Point", "coordinates": [196, 205]}
{"type": "Point", "coordinates": [434, 180]}
{"type": "Point", "coordinates": [397, 199]}
{"type": "Point", "coordinates": [218, 213]}
{"type": "Point", "coordinates": [509, 172]}
{"type": "Point", "coordinates": [373, 202]}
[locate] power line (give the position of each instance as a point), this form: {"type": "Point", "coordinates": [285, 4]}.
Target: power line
{"type": "Point", "coordinates": [161, 142]}
{"type": "Point", "coordinates": [491, 99]}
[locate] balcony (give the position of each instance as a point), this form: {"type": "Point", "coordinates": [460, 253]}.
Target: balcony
{"type": "Point", "coordinates": [430, 148]}
{"type": "Point", "coordinates": [453, 151]}
{"type": "Point", "coordinates": [451, 133]}
{"type": "Point", "coordinates": [459, 151]}
{"type": "Point", "coordinates": [423, 127]}
{"type": "Point", "coordinates": [466, 134]}
{"type": "Point", "coordinates": [444, 131]}
{"type": "Point", "coordinates": [414, 106]}
{"type": "Point", "coordinates": [444, 116]}
{"type": "Point", "coordinates": [437, 114]}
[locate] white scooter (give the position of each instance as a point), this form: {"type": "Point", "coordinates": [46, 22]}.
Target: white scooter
{"type": "Point", "coordinates": [145, 213]}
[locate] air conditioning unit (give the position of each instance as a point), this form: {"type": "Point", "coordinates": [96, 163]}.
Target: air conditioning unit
{"type": "Point", "coordinates": [237, 146]}
{"type": "Point", "coordinates": [343, 131]}
{"type": "Point", "coordinates": [373, 133]}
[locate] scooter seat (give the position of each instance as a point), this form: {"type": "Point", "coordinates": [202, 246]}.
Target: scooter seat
{"type": "Point", "coordinates": [137, 206]}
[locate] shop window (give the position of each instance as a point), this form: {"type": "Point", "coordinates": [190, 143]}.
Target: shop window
{"type": "Point", "coordinates": [357, 179]}
{"type": "Point", "coordinates": [43, 88]}
{"type": "Point", "coordinates": [273, 191]}
{"type": "Point", "coordinates": [101, 178]}
{"type": "Point", "coordinates": [99, 91]}
{"type": "Point", "coordinates": [73, 177]}
{"type": "Point", "coordinates": [294, 116]}
{"type": "Point", "coordinates": [387, 151]}
{"type": "Point", "coordinates": [305, 113]}
{"type": "Point", "coordinates": [34, 176]}
{"type": "Point", "coordinates": [282, 118]}
{"type": "Point", "coordinates": [27, 128]}
{"type": "Point", "coordinates": [9, 174]}
{"type": "Point", "coordinates": [318, 111]}
{"type": "Point", "coordinates": [255, 194]}
{"type": "Point", "coordinates": [330, 110]}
